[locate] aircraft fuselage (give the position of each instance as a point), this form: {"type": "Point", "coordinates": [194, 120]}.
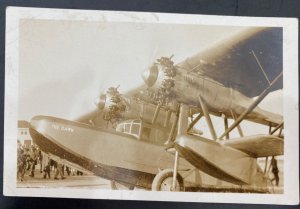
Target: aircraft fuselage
{"type": "Point", "coordinates": [188, 87]}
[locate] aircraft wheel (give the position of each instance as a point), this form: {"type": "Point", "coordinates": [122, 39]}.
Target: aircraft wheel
{"type": "Point", "coordinates": [117, 186]}
{"type": "Point", "coordinates": [163, 181]}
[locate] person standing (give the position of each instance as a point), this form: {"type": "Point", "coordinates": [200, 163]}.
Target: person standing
{"type": "Point", "coordinates": [47, 171]}
{"type": "Point", "coordinates": [33, 160]}
{"type": "Point", "coordinates": [21, 164]}
{"type": "Point", "coordinates": [68, 170]}
{"type": "Point", "coordinates": [59, 170]}
{"type": "Point", "coordinates": [40, 159]}
{"type": "Point", "coordinates": [275, 170]}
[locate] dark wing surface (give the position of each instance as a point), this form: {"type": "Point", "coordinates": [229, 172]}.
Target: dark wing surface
{"type": "Point", "coordinates": [236, 62]}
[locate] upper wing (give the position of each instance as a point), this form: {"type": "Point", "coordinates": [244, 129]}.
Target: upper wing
{"type": "Point", "coordinates": [233, 63]}
{"type": "Point", "coordinates": [258, 145]}
{"type": "Point", "coordinates": [236, 62]}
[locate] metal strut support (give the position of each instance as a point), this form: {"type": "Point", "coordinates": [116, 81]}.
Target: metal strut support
{"type": "Point", "coordinates": [173, 125]}
{"type": "Point", "coordinates": [260, 66]}
{"type": "Point", "coordinates": [141, 130]}
{"type": "Point", "coordinates": [276, 128]}
{"type": "Point", "coordinates": [194, 121]}
{"type": "Point", "coordinates": [176, 162]}
{"type": "Point", "coordinates": [266, 165]}
{"type": "Point", "coordinates": [142, 111]}
{"type": "Point", "coordinates": [167, 119]}
{"type": "Point", "coordinates": [207, 118]}
{"type": "Point", "coordinates": [270, 165]}
{"type": "Point", "coordinates": [252, 106]}
{"type": "Point", "coordinates": [182, 128]}
{"type": "Point", "coordinates": [226, 126]}
{"type": "Point", "coordinates": [183, 119]}
{"type": "Point", "coordinates": [156, 113]}
{"type": "Point", "coordinates": [280, 131]}
{"type": "Point", "coordinates": [238, 126]}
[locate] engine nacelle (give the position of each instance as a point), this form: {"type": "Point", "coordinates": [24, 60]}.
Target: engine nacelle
{"type": "Point", "coordinates": [100, 102]}
{"type": "Point", "coordinates": [113, 104]}
{"type": "Point", "coordinates": [160, 79]}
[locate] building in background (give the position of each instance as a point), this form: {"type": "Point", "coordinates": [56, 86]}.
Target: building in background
{"type": "Point", "coordinates": [23, 132]}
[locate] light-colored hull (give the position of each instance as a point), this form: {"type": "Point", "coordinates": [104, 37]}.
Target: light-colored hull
{"type": "Point", "coordinates": [221, 161]}
{"type": "Point", "coordinates": [108, 154]}
{"type": "Point", "coordinates": [121, 157]}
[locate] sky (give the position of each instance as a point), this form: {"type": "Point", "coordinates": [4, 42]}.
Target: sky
{"type": "Point", "coordinates": [65, 65]}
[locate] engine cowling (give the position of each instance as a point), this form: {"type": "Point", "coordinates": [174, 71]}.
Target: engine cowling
{"type": "Point", "coordinates": [113, 104]}
{"type": "Point", "coordinates": [160, 80]}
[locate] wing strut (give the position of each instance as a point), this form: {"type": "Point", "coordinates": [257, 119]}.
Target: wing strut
{"type": "Point", "coordinates": [167, 119]}
{"type": "Point", "coordinates": [276, 128]}
{"type": "Point", "coordinates": [195, 121]}
{"type": "Point", "coordinates": [252, 106]}
{"type": "Point", "coordinates": [182, 127]}
{"type": "Point", "coordinates": [174, 124]}
{"type": "Point", "coordinates": [238, 126]}
{"type": "Point", "coordinates": [208, 119]}
{"type": "Point", "coordinates": [266, 165]}
{"type": "Point", "coordinates": [226, 126]}
{"type": "Point", "coordinates": [156, 113]}
{"type": "Point", "coordinates": [260, 66]}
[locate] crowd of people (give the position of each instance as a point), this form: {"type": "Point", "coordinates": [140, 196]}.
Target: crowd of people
{"type": "Point", "coordinates": [30, 159]}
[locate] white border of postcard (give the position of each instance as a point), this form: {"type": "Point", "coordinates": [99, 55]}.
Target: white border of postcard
{"type": "Point", "coordinates": [290, 62]}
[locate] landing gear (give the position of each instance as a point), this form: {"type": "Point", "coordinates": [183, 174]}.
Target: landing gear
{"type": "Point", "coordinates": [170, 179]}
{"type": "Point", "coordinates": [117, 186]}
{"type": "Point", "coordinates": [163, 181]}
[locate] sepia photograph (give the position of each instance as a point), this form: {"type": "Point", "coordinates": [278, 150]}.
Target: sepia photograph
{"type": "Point", "coordinates": [151, 106]}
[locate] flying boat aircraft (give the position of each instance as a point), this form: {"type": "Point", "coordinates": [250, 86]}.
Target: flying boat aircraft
{"type": "Point", "coordinates": [148, 137]}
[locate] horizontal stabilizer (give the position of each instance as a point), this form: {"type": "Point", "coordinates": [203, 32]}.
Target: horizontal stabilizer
{"type": "Point", "coordinates": [258, 145]}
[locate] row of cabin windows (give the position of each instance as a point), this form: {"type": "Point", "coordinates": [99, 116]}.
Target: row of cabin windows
{"type": "Point", "coordinates": [148, 134]}
{"type": "Point", "coordinates": [131, 127]}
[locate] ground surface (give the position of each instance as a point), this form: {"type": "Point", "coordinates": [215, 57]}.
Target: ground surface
{"type": "Point", "coordinates": [85, 180]}
{"type": "Point", "coordinates": [91, 181]}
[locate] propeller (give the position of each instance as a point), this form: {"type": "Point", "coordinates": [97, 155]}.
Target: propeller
{"type": "Point", "coordinates": [113, 105]}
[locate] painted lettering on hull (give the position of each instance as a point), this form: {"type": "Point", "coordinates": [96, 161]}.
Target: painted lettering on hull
{"type": "Point", "coordinates": [62, 128]}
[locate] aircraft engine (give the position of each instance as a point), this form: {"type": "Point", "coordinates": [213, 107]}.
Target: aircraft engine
{"type": "Point", "coordinates": [160, 79]}
{"type": "Point", "coordinates": [113, 104]}
{"type": "Point", "coordinates": [100, 102]}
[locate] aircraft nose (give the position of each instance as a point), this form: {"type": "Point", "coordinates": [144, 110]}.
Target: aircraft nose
{"type": "Point", "coordinates": [150, 75]}
{"type": "Point", "coordinates": [40, 123]}
{"type": "Point", "coordinates": [34, 122]}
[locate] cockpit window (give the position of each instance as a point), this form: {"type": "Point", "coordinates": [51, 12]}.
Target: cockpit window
{"type": "Point", "coordinates": [135, 129]}
{"type": "Point", "coordinates": [131, 127]}
{"type": "Point", "coordinates": [127, 128]}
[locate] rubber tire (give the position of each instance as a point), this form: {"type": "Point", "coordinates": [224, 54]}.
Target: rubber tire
{"type": "Point", "coordinates": [164, 174]}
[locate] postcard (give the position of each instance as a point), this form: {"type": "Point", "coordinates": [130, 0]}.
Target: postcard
{"type": "Point", "coordinates": [151, 106]}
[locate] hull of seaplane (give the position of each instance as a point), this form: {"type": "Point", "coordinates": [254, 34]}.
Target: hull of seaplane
{"type": "Point", "coordinates": [221, 161]}
{"type": "Point", "coordinates": [123, 158]}
{"type": "Point", "coordinates": [111, 155]}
